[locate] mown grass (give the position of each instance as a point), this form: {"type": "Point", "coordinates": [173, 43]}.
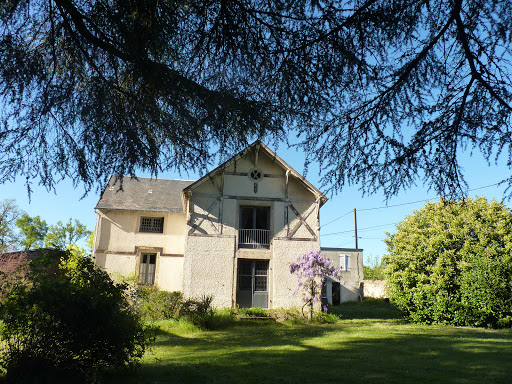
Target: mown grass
{"type": "Point", "coordinates": [359, 349]}
{"type": "Point", "coordinates": [367, 309]}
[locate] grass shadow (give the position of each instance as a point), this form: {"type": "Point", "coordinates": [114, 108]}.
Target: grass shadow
{"type": "Point", "coordinates": [380, 351]}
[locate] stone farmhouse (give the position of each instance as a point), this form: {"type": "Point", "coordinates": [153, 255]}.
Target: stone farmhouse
{"type": "Point", "coordinates": [231, 234]}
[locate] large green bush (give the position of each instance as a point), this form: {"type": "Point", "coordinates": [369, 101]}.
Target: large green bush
{"type": "Point", "coordinates": [451, 262]}
{"type": "Point", "coordinates": [68, 320]}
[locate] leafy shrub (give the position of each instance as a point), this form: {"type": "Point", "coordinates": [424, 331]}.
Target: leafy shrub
{"type": "Point", "coordinates": [451, 262]}
{"type": "Point", "coordinates": [70, 320]}
{"type": "Point", "coordinates": [198, 311]}
{"type": "Point", "coordinates": [325, 318]}
{"type": "Point", "coordinates": [153, 304]}
{"type": "Point", "coordinates": [223, 318]}
{"type": "Point", "coordinates": [253, 312]}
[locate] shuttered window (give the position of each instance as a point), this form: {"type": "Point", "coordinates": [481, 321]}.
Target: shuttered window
{"type": "Point", "coordinates": [147, 268]}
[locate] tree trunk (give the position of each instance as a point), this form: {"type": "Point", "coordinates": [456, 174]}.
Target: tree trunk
{"type": "Point", "coordinates": [310, 314]}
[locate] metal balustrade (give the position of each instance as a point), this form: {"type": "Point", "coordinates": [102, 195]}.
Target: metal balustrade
{"type": "Point", "coordinates": [254, 238]}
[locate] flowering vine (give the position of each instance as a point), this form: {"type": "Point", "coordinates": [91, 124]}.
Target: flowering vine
{"type": "Point", "coordinates": [311, 270]}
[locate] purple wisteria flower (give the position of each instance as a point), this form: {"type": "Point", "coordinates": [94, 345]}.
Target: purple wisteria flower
{"type": "Point", "coordinates": [311, 269]}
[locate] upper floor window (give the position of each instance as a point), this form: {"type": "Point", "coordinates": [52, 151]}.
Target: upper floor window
{"type": "Point", "coordinates": [254, 229]}
{"type": "Point", "coordinates": [152, 224]}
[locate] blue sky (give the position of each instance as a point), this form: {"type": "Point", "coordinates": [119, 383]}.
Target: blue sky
{"type": "Point", "coordinates": [375, 216]}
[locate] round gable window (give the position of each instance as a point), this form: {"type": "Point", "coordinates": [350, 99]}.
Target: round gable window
{"type": "Point", "coordinates": [255, 175]}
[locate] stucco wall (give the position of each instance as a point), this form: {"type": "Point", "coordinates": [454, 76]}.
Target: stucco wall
{"type": "Point", "coordinates": [209, 268]}
{"type": "Point", "coordinates": [350, 279]}
{"type": "Point", "coordinates": [355, 274]}
{"type": "Point", "coordinates": [119, 232]}
{"type": "Point", "coordinates": [376, 288]}
{"type": "Point", "coordinates": [242, 185]}
{"type": "Point", "coordinates": [119, 245]}
{"type": "Point", "coordinates": [115, 264]}
{"type": "Point", "coordinates": [170, 273]}
{"type": "Point", "coordinates": [284, 283]}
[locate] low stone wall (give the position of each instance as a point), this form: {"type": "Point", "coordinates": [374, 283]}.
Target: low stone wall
{"type": "Point", "coordinates": [376, 289]}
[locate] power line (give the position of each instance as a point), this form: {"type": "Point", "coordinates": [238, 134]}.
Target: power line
{"type": "Point", "coordinates": [336, 219]}
{"type": "Point", "coordinates": [422, 201]}
{"type": "Point", "coordinates": [400, 205]}
{"type": "Point", "coordinates": [344, 244]}
{"type": "Point", "coordinates": [362, 229]}
{"type": "Point", "coordinates": [393, 206]}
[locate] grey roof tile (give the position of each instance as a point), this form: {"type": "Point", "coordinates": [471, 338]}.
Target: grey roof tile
{"type": "Point", "coordinates": [143, 194]}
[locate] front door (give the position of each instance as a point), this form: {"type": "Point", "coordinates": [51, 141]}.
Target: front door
{"type": "Point", "coordinates": [252, 283]}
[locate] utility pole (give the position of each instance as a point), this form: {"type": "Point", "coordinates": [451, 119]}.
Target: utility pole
{"type": "Point", "coordinates": [355, 226]}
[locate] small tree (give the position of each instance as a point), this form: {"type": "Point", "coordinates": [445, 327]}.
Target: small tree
{"type": "Point", "coordinates": [64, 235]}
{"type": "Point", "coordinates": [33, 231]}
{"type": "Point", "coordinates": [9, 214]}
{"type": "Point", "coordinates": [311, 269]}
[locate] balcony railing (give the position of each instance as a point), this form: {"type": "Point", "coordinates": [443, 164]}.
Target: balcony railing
{"type": "Point", "coordinates": [254, 238]}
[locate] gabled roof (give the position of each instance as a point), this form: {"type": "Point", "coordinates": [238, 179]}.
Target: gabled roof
{"type": "Point", "coordinates": [165, 195]}
{"type": "Point", "coordinates": [319, 195]}
{"type": "Point", "coordinates": [143, 194]}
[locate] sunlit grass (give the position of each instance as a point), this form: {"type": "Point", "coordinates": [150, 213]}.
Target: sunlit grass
{"type": "Point", "coordinates": [350, 351]}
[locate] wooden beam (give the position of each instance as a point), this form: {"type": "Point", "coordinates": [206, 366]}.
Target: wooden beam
{"type": "Point", "coordinates": [190, 210]}
{"type": "Point", "coordinates": [212, 235]}
{"type": "Point", "coordinates": [138, 250]}
{"type": "Point", "coordinates": [221, 204]}
{"type": "Point", "coordinates": [255, 198]}
{"type": "Point", "coordinates": [195, 226]}
{"type": "Point", "coordinates": [270, 175]}
{"type": "Point", "coordinates": [302, 221]}
{"type": "Point", "coordinates": [295, 238]}
{"type": "Point", "coordinates": [286, 219]}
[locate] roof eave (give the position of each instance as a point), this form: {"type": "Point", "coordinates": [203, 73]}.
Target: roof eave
{"type": "Point", "coordinates": [319, 195]}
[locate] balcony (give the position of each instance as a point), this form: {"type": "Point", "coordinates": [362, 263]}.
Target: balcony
{"type": "Point", "coordinates": [254, 238]}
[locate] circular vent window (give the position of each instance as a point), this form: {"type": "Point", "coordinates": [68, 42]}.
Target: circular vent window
{"type": "Point", "coordinates": [255, 175]}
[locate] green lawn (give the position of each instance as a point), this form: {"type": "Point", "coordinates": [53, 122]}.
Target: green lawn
{"type": "Point", "coordinates": [350, 351]}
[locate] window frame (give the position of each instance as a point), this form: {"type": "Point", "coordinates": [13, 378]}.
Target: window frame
{"type": "Point", "coordinates": [154, 227]}
{"type": "Point", "coordinates": [254, 232]}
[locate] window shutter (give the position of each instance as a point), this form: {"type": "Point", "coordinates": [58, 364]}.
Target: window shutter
{"type": "Point", "coordinates": [142, 269]}
{"type": "Point", "coordinates": [344, 262]}
{"type": "Point", "coordinates": [151, 269]}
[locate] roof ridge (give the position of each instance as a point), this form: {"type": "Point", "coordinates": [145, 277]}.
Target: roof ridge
{"type": "Point", "coordinates": [154, 178]}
